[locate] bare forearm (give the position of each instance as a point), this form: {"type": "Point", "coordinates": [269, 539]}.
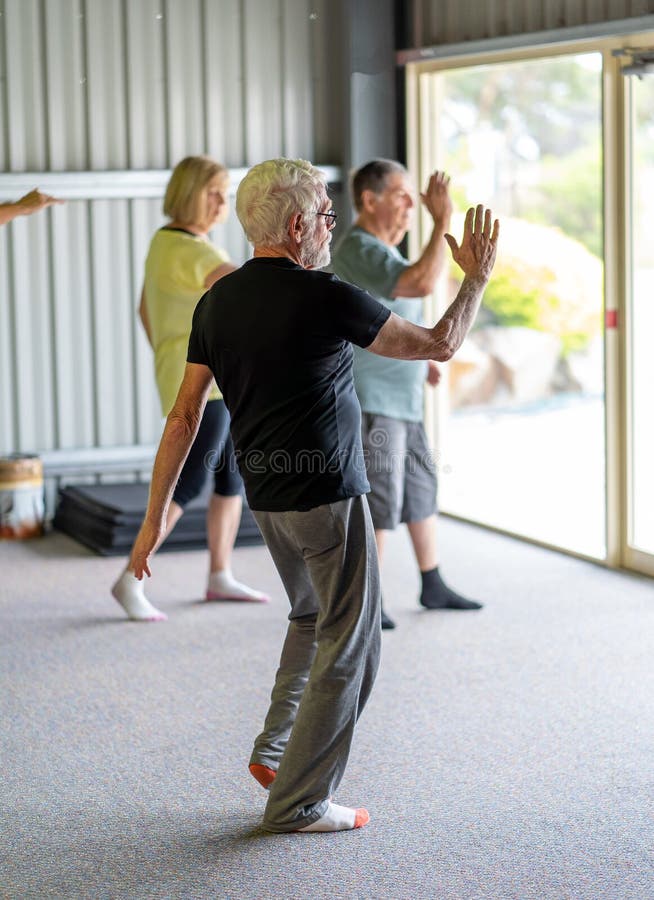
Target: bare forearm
{"type": "Point", "coordinates": [401, 339]}
{"type": "Point", "coordinates": [450, 331]}
{"type": "Point", "coordinates": [476, 256]}
{"type": "Point", "coordinates": [430, 263]}
{"type": "Point", "coordinates": [8, 211]}
{"type": "Point", "coordinates": [419, 279]}
{"type": "Point", "coordinates": [30, 203]}
{"type": "Point", "coordinates": [180, 431]}
{"type": "Point", "coordinates": [176, 441]}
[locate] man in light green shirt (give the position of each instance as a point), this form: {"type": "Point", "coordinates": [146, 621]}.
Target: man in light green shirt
{"type": "Point", "coordinates": [399, 464]}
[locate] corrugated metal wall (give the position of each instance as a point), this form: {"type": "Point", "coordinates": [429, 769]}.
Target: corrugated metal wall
{"type": "Point", "coordinates": [432, 22]}
{"type": "Point", "coordinates": [110, 86]}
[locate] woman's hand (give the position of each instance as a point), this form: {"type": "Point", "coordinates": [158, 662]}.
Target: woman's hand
{"type": "Point", "coordinates": [147, 541]}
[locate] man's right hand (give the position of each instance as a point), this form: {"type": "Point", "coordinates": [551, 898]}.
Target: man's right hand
{"type": "Point", "coordinates": [478, 249]}
{"type": "Point", "coordinates": [436, 198]}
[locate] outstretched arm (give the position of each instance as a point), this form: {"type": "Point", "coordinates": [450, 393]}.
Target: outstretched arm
{"type": "Point", "coordinates": [418, 279]}
{"type": "Point", "coordinates": [181, 428]}
{"type": "Point", "coordinates": [30, 203]}
{"type": "Point", "coordinates": [401, 339]}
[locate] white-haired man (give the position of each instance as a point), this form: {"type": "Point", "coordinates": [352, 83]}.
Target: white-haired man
{"type": "Point", "coordinates": [277, 334]}
{"type": "Point", "coordinates": [400, 468]}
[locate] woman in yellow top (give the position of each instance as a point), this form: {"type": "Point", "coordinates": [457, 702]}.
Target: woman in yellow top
{"type": "Point", "coordinates": [182, 265]}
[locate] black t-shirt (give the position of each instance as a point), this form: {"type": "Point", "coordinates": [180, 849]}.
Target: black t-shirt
{"type": "Point", "coordinates": [277, 339]}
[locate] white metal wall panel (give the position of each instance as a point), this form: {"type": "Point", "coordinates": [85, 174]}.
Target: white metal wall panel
{"type": "Point", "coordinates": [25, 121]}
{"type": "Point", "coordinates": [145, 102]}
{"type": "Point", "coordinates": [65, 85]}
{"type": "Point", "coordinates": [263, 98]}
{"type": "Point", "coordinates": [70, 284]}
{"type": "Point", "coordinates": [184, 82]}
{"type": "Point", "coordinates": [113, 323]}
{"type": "Point", "coordinates": [32, 333]}
{"type": "Point", "coordinates": [296, 90]}
{"type": "Point", "coordinates": [4, 133]}
{"type": "Point", "coordinates": [224, 66]}
{"type": "Point", "coordinates": [7, 394]}
{"type": "Point", "coordinates": [120, 87]}
{"type": "Point", "coordinates": [105, 83]}
{"type": "Point", "coordinates": [145, 218]}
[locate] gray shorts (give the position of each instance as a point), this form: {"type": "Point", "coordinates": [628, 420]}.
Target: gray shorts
{"type": "Point", "coordinates": [401, 471]}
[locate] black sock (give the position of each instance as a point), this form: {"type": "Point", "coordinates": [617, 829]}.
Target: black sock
{"type": "Point", "coordinates": [386, 622]}
{"type": "Point", "coordinates": [436, 594]}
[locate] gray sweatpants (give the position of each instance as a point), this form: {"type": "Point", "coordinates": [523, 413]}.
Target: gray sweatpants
{"type": "Point", "coordinates": [327, 560]}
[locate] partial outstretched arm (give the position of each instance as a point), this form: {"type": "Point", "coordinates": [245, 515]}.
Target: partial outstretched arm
{"type": "Point", "coordinates": [401, 339]}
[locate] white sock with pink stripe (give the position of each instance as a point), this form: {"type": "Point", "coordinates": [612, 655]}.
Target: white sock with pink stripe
{"type": "Point", "coordinates": [223, 586]}
{"type": "Point", "coordinates": [129, 592]}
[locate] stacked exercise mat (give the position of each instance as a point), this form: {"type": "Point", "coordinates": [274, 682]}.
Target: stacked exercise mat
{"type": "Point", "coordinates": [107, 517]}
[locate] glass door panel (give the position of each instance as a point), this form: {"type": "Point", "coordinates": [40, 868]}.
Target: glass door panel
{"type": "Point", "coordinates": [640, 355]}
{"type": "Point", "coordinates": [522, 446]}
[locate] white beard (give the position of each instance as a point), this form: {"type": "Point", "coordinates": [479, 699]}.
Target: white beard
{"type": "Point", "coordinates": [316, 257]}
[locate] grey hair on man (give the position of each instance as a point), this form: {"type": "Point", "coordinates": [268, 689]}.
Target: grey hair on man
{"type": "Point", "coordinates": [271, 193]}
{"type": "Point", "coordinates": [372, 177]}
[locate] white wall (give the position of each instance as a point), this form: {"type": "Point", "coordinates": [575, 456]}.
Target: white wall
{"type": "Point", "coordinates": [114, 88]}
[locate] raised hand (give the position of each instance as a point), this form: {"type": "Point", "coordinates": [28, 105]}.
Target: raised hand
{"type": "Point", "coordinates": [436, 198]}
{"type": "Point", "coordinates": [478, 249]}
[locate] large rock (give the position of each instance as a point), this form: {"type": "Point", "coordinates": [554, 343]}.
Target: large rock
{"type": "Point", "coordinates": [500, 365]}
{"type": "Point", "coordinates": [527, 359]}
{"type": "Point", "coordinates": [474, 376]}
{"type": "Point", "coordinates": [555, 283]}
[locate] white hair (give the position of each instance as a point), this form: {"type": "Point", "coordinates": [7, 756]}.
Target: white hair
{"type": "Point", "coordinates": [272, 192]}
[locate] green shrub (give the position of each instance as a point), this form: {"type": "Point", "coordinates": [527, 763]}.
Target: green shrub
{"type": "Point", "coordinates": [543, 280]}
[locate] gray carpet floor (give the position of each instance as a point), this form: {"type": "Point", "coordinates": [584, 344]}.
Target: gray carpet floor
{"type": "Point", "coordinates": [504, 754]}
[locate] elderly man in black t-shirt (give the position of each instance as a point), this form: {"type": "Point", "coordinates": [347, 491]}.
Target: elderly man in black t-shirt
{"type": "Point", "coordinates": [277, 335]}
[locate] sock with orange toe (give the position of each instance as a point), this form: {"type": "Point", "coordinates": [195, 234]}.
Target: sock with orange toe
{"type": "Point", "coordinates": [263, 774]}
{"type": "Point", "coordinates": [339, 818]}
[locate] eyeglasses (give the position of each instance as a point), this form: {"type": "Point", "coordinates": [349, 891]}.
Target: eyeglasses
{"type": "Point", "coordinates": [331, 218]}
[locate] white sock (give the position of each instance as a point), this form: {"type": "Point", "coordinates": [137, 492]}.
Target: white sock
{"type": "Point", "coordinates": [129, 592]}
{"type": "Point", "coordinates": [339, 818]}
{"type": "Point", "coordinates": [223, 586]}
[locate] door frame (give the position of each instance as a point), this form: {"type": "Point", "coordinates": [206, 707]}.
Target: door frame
{"type": "Point", "coordinates": [421, 148]}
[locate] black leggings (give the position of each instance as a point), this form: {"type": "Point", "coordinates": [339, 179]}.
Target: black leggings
{"type": "Point", "coordinates": [212, 451]}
